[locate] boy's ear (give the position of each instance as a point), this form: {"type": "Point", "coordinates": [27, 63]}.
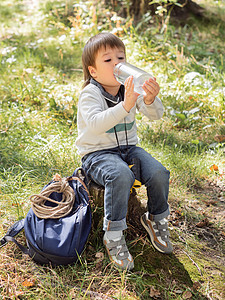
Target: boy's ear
{"type": "Point", "coordinates": [92, 71]}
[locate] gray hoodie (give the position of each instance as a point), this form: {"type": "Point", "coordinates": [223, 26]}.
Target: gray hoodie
{"type": "Point", "coordinates": [96, 120]}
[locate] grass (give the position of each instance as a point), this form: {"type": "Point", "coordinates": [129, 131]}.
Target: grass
{"type": "Point", "coordinates": [40, 82]}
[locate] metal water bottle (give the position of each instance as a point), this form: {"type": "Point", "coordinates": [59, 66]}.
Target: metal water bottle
{"type": "Point", "coordinates": [123, 70]}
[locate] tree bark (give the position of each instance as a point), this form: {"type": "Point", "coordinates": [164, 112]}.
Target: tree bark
{"type": "Point", "coordinates": [135, 207]}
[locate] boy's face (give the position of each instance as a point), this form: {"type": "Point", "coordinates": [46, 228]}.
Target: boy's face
{"type": "Point", "coordinates": [105, 61]}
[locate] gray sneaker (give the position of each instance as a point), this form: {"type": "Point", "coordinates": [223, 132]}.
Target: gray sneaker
{"type": "Point", "coordinates": [159, 233]}
{"type": "Point", "coordinates": [118, 253]}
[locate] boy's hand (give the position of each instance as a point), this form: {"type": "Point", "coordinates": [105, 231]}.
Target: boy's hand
{"type": "Point", "coordinates": [151, 88]}
{"type": "Point", "coordinates": [130, 96]}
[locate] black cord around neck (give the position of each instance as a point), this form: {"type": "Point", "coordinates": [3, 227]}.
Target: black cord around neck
{"type": "Point", "coordinates": [117, 140]}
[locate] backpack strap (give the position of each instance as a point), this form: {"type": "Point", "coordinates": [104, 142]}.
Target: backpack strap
{"type": "Point", "coordinates": [80, 175]}
{"type": "Point", "coordinates": [9, 238]}
{"type": "Point", "coordinates": [12, 231]}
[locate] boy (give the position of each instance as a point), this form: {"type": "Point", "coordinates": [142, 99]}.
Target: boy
{"type": "Point", "coordinates": [107, 138]}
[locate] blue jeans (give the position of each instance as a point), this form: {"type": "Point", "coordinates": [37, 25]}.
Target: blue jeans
{"type": "Point", "coordinates": [109, 168]}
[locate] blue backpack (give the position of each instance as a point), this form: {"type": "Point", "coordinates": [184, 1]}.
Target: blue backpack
{"type": "Point", "coordinates": [56, 241]}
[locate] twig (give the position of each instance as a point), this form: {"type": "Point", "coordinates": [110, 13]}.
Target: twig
{"type": "Point", "coordinates": [193, 262]}
{"type": "Point", "coordinates": [80, 70]}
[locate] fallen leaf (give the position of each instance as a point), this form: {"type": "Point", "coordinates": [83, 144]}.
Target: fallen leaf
{"type": "Point", "coordinates": [203, 223]}
{"type": "Point", "coordinates": [99, 256]}
{"type": "Point", "coordinates": [178, 212]}
{"type": "Point", "coordinates": [187, 295]}
{"type": "Point", "coordinates": [214, 168]}
{"type": "Point", "coordinates": [220, 138]}
{"type": "Point", "coordinates": [196, 285]}
{"type": "Point", "coordinates": [28, 283]}
{"type": "Point", "coordinates": [175, 223]}
{"type": "Point", "coordinates": [154, 292]}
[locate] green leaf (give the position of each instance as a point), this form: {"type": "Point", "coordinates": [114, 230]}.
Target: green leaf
{"type": "Point", "coordinates": [181, 116]}
{"type": "Point", "coordinates": [196, 142]}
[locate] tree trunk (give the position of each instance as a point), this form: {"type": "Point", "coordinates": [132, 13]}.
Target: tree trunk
{"type": "Point", "coordinates": [188, 8]}
{"type": "Point", "coordinates": [136, 8]}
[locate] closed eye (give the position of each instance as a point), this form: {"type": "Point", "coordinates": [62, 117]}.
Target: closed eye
{"type": "Point", "coordinates": [121, 58]}
{"type": "Point", "coordinates": [108, 60]}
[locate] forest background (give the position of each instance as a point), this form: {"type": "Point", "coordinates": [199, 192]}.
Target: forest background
{"type": "Point", "coordinates": [41, 42]}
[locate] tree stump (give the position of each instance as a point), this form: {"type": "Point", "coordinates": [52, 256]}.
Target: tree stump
{"type": "Point", "coordinates": [136, 207]}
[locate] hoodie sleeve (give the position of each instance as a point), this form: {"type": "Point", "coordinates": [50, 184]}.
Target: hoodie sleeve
{"type": "Point", "coordinates": [153, 111]}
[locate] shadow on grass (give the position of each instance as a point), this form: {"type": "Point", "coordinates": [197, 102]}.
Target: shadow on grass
{"type": "Point", "coordinates": [166, 273]}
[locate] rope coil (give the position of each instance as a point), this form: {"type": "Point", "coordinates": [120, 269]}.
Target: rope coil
{"type": "Point", "coordinates": [63, 207]}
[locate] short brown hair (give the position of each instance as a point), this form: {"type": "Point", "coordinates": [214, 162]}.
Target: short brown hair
{"type": "Point", "coordinates": [93, 45]}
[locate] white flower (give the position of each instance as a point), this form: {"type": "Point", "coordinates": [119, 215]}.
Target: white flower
{"type": "Point", "coordinates": [40, 41]}
{"type": "Point", "coordinates": [190, 76]}
{"type": "Point", "coordinates": [62, 38]}
{"type": "Point", "coordinates": [11, 59]}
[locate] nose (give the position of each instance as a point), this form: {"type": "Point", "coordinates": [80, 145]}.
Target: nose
{"type": "Point", "coordinates": [116, 62]}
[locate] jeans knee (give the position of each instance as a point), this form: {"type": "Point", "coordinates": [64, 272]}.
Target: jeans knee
{"type": "Point", "coordinates": [122, 176]}
{"type": "Point", "coordinates": [159, 177]}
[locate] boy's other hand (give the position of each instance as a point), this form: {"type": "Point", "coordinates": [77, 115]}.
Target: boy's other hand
{"type": "Point", "coordinates": [151, 88]}
{"type": "Point", "coordinates": [130, 96]}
